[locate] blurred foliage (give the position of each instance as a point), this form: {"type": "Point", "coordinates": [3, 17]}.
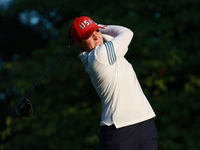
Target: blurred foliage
{"type": "Point", "coordinates": [164, 53]}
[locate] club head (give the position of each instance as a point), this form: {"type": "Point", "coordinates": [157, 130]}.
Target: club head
{"type": "Point", "coordinates": [24, 108]}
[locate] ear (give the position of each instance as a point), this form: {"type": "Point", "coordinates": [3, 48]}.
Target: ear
{"type": "Point", "coordinates": [79, 43]}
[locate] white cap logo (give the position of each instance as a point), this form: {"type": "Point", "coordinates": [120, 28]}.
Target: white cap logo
{"type": "Point", "coordinates": [85, 23]}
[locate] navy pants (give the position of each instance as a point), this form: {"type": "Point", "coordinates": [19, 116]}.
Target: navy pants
{"type": "Point", "coordinates": [140, 136]}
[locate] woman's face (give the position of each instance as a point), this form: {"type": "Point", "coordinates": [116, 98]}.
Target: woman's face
{"type": "Point", "coordinates": [94, 40]}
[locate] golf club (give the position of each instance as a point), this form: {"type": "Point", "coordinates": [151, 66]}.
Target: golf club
{"type": "Point", "coordinates": [24, 107]}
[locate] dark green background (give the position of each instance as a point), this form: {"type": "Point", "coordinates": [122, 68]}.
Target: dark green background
{"type": "Point", "coordinates": [165, 53]}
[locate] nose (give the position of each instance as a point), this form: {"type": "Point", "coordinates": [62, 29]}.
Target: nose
{"type": "Point", "coordinates": [95, 35]}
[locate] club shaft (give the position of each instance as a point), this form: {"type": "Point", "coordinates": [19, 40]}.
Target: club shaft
{"type": "Point", "coordinates": [49, 68]}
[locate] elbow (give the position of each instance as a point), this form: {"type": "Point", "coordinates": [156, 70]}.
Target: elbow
{"type": "Point", "coordinates": [131, 33]}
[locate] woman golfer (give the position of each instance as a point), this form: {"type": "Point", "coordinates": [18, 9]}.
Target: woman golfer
{"type": "Point", "coordinates": [127, 117]}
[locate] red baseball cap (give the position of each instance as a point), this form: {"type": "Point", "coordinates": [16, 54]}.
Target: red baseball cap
{"type": "Point", "coordinates": [82, 28]}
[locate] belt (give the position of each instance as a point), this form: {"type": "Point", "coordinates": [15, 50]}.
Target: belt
{"type": "Point", "coordinates": [107, 128]}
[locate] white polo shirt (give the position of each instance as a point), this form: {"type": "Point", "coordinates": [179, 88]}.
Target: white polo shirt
{"type": "Point", "coordinates": [115, 81]}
